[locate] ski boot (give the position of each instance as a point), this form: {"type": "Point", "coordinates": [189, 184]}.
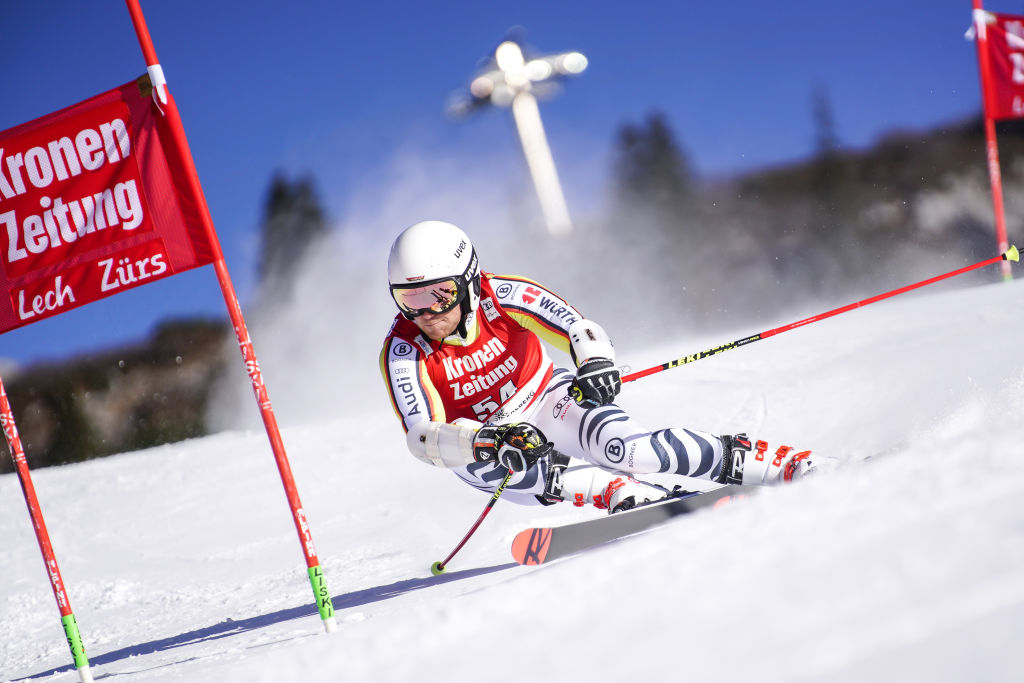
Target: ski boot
{"type": "Point", "coordinates": [608, 490]}
{"type": "Point", "coordinates": [553, 484]}
{"type": "Point", "coordinates": [746, 464]}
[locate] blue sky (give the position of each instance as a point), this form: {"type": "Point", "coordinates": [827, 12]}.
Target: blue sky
{"type": "Point", "coordinates": [340, 90]}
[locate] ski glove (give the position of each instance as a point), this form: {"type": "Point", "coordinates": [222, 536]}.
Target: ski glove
{"type": "Point", "coordinates": [597, 382]}
{"type": "Point", "coordinates": [516, 447]}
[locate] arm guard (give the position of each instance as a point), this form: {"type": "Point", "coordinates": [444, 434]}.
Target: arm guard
{"type": "Point", "coordinates": [442, 444]}
{"type": "Point", "coordinates": [589, 340]}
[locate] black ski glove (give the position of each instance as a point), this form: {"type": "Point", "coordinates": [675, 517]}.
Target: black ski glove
{"type": "Point", "coordinates": [597, 382]}
{"type": "Point", "coordinates": [516, 447]}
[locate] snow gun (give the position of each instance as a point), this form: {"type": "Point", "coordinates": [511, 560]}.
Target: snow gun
{"type": "Point", "coordinates": [1011, 254]}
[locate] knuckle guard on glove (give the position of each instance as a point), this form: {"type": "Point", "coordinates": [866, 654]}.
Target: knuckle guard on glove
{"type": "Point", "coordinates": [597, 382]}
{"type": "Point", "coordinates": [516, 447]}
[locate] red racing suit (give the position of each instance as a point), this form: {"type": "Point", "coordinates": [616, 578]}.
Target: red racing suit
{"type": "Point", "coordinates": [495, 375]}
{"type": "Point", "coordinates": [501, 373]}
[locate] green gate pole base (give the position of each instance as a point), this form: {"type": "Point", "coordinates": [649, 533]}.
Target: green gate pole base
{"type": "Point", "coordinates": [323, 598]}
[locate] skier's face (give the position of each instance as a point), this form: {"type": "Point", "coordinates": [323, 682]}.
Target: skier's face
{"type": "Point", "coordinates": [437, 326]}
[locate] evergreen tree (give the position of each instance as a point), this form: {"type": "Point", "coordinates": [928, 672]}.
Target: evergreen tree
{"type": "Point", "coordinates": [835, 237]}
{"type": "Point", "coordinates": [293, 221]}
{"type": "Point", "coordinates": [651, 170]}
{"type": "Point", "coordinates": [827, 142]}
{"type": "Point", "coordinates": [657, 220]}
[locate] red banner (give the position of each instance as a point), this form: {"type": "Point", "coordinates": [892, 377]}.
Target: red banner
{"type": "Point", "coordinates": [1003, 40]}
{"type": "Point", "coordinates": [93, 201]}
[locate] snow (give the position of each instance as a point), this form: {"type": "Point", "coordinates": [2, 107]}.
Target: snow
{"type": "Point", "coordinates": [901, 562]}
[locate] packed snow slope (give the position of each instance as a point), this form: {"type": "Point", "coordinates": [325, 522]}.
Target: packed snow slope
{"type": "Point", "coordinates": [904, 562]}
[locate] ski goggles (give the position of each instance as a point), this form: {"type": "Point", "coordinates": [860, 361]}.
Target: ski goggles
{"type": "Point", "coordinates": [439, 296]}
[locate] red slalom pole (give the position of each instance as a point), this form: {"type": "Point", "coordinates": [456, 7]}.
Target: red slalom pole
{"type": "Point", "coordinates": [170, 110]}
{"type": "Point", "coordinates": [1011, 254]}
{"type": "Point", "coordinates": [67, 617]}
{"type": "Point", "coordinates": [991, 146]}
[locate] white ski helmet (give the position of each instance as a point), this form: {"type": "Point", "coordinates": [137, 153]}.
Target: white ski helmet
{"type": "Point", "coordinates": [432, 267]}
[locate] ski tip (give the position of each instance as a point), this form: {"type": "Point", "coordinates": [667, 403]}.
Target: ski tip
{"type": "Point", "coordinates": [1012, 254]}
{"type": "Point", "coordinates": [530, 546]}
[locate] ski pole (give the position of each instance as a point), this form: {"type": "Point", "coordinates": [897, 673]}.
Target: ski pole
{"type": "Point", "coordinates": [1011, 254]}
{"type": "Point", "coordinates": [439, 567]}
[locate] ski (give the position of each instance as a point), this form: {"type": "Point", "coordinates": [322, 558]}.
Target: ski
{"type": "Point", "coordinates": [538, 545]}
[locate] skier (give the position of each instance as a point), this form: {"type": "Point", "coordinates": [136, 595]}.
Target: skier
{"type": "Point", "coordinates": [477, 393]}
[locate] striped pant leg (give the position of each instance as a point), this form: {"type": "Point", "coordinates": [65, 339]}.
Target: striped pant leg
{"type": "Point", "coordinates": [523, 488]}
{"type": "Point", "coordinates": [608, 437]}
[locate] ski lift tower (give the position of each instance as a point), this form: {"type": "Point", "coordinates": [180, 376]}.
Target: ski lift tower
{"type": "Point", "coordinates": [510, 80]}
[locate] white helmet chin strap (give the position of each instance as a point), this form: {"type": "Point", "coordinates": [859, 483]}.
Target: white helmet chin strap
{"type": "Point", "coordinates": [471, 303]}
{"type": "Point", "coordinates": [465, 322]}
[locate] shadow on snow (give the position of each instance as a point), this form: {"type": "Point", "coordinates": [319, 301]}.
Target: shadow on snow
{"type": "Point", "coordinates": [232, 627]}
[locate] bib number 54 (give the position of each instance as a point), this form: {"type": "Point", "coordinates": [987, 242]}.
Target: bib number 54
{"type": "Point", "coordinates": [489, 405]}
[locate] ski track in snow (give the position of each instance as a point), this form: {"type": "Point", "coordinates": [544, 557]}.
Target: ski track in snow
{"type": "Point", "coordinates": [182, 564]}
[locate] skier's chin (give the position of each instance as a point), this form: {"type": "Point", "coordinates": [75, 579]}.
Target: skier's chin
{"type": "Point", "coordinates": [439, 326]}
{"type": "Point", "coordinates": [437, 330]}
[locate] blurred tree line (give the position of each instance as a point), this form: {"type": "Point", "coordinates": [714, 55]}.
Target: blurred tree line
{"type": "Point", "coordinates": [839, 223]}
{"type": "Point", "coordinates": [830, 224]}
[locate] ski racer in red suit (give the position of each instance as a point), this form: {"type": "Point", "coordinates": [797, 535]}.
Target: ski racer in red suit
{"type": "Point", "coordinates": [477, 393]}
